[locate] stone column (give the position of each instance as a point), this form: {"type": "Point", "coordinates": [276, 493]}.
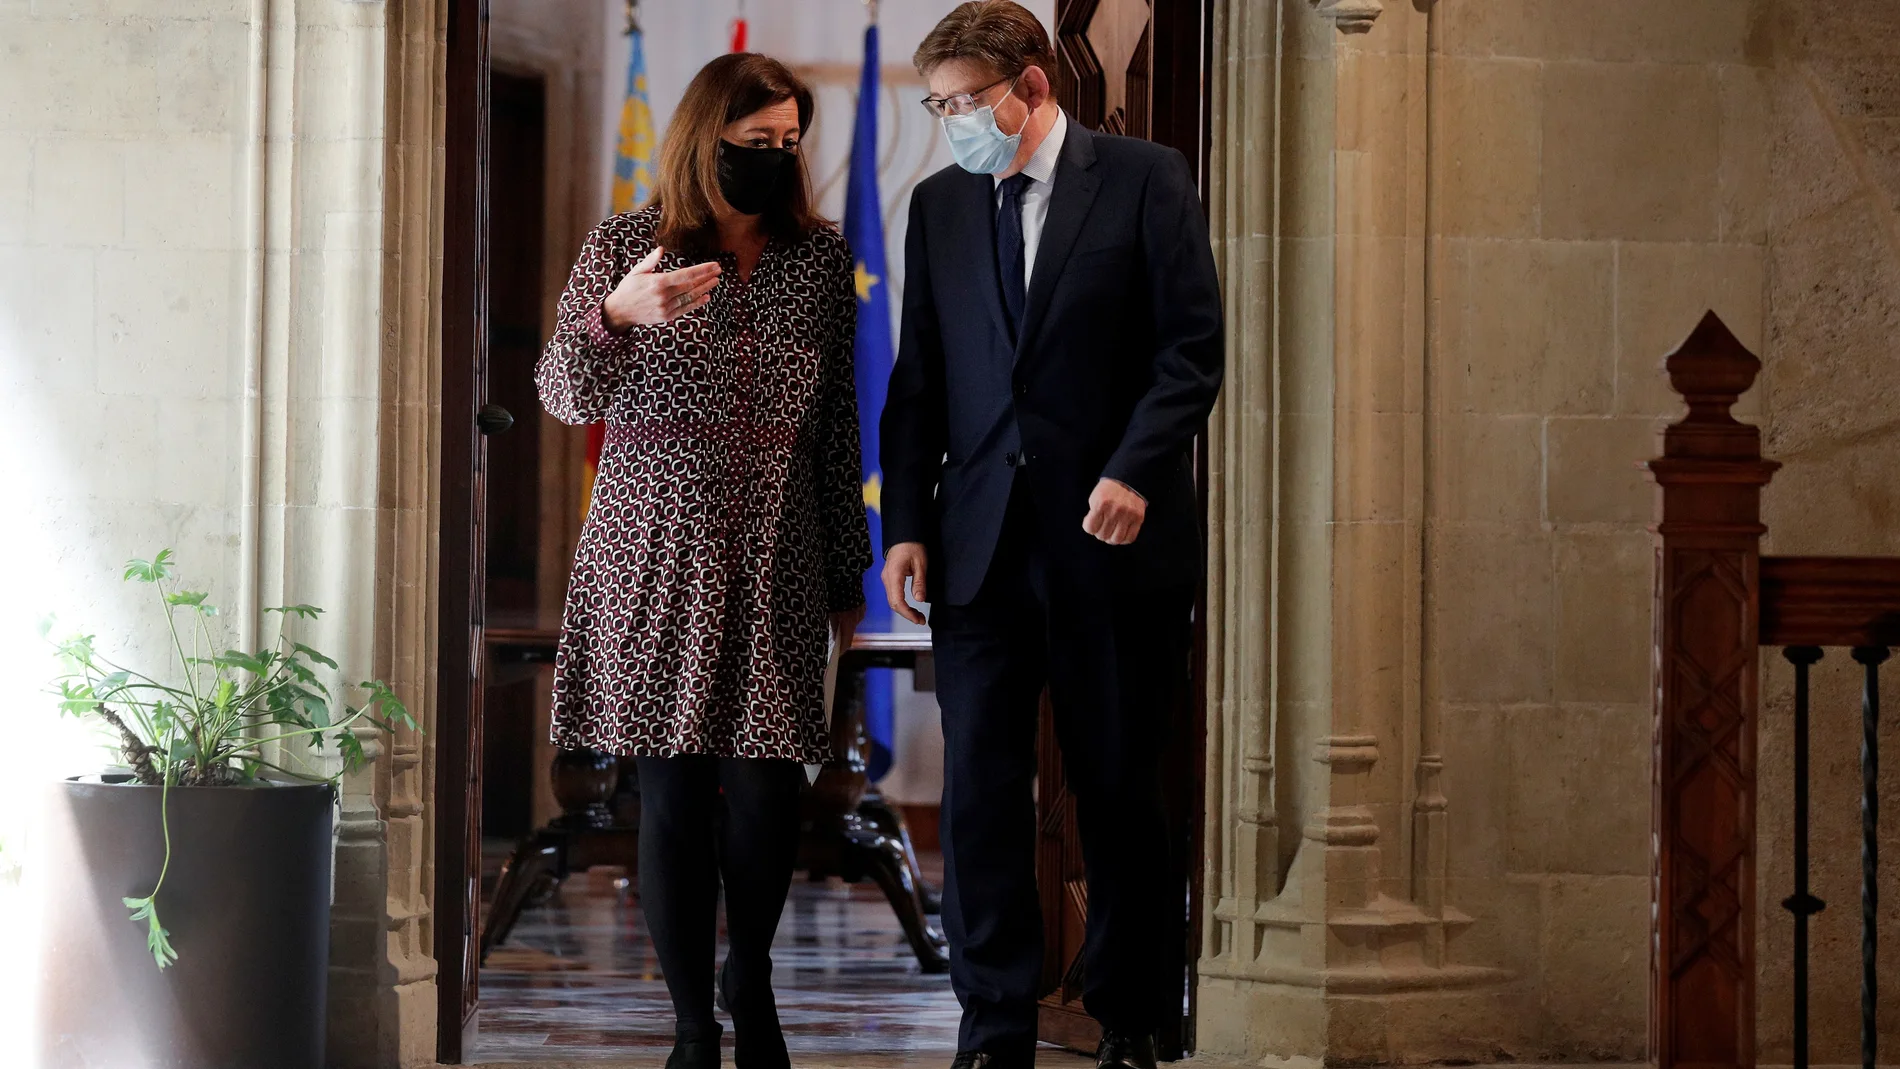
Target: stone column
{"type": "Point", "coordinates": [314, 389]}
{"type": "Point", "coordinates": [408, 454]}
{"type": "Point", "coordinates": [1328, 933]}
{"type": "Point", "coordinates": [350, 129]}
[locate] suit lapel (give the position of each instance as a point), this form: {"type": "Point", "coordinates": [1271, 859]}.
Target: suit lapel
{"type": "Point", "coordinates": [1069, 203]}
{"type": "Point", "coordinates": [976, 259]}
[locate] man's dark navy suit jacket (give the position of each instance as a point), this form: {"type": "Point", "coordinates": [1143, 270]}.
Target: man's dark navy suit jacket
{"type": "Point", "coordinates": [1115, 368]}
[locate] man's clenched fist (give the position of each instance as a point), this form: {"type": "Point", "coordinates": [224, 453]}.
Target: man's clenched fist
{"type": "Point", "coordinates": [1115, 513]}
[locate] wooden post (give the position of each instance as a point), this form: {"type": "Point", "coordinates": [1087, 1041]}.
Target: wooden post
{"type": "Point", "coordinates": [1707, 642]}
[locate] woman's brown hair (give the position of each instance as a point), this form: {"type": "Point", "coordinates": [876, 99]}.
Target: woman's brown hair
{"type": "Point", "coordinates": [687, 189]}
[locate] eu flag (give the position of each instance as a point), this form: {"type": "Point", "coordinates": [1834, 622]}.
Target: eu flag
{"type": "Point", "coordinates": [864, 229]}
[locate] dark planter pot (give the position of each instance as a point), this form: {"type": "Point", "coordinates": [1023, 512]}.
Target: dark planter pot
{"type": "Point", "coordinates": [247, 903]}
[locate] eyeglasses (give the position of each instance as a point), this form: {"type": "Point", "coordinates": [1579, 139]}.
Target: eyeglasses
{"type": "Point", "coordinates": [962, 103]}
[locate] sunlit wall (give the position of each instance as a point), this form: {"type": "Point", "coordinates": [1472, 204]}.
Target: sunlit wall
{"type": "Point", "coordinates": [128, 328]}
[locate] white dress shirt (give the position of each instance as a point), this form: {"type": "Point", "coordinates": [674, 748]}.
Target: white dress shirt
{"type": "Point", "coordinates": [1042, 169]}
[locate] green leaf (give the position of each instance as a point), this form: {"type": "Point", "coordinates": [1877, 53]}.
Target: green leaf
{"type": "Point", "coordinates": [306, 612]}
{"type": "Point", "coordinates": [186, 597]}
{"type": "Point", "coordinates": [150, 571]}
{"type": "Point", "coordinates": [221, 698]}
{"type": "Point", "coordinates": [314, 655]}
{"type": "Point", "coordinates": [387, 704]}
{"type": "Point", "coordinates": [351, 748]}
{"type": "Point", "coordinates": [242, 661]}
{"type": "Point", "coordinates": [76, 699]}
{"type": "Point", "coordinates": [157, 939]}
{"type": "Point", "coordinates": [164, 717]}
{"type": "Point", "coordinates": [77, 649]}
{"type": "Point", "coordinates": [306, 695]}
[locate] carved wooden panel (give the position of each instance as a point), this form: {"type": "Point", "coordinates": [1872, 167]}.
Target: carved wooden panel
{"type": "Point", "coordinates": [1707, 778]}
{"type": "Point", "coordinates": [1106, 63]}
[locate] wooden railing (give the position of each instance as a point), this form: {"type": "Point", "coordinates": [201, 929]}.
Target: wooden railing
{"type": "Point", "coordinates": [1718, 601]}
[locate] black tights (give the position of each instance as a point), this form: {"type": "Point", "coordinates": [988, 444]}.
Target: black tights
{"type": "Point", "coordinates": [685, 852]}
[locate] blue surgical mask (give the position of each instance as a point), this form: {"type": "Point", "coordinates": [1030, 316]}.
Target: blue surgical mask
{"type": "Point", "coordinates": [979, 146]}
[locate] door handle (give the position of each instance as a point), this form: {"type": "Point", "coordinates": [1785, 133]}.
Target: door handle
{"type": "Point", "coordinates": [493, 419]}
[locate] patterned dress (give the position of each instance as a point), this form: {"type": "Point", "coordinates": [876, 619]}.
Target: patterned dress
{"type": "Point", "coordinates": [728, 513]}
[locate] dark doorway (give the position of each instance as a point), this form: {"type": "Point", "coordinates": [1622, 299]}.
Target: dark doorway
{"type": "Point", "coordinates": [512, 528]}
{"type": "Point", "coordinates": [487, 557]}
{"type": "Point", "coordinates": [1130, 67]}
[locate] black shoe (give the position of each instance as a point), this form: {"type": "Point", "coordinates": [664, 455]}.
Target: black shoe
{"type": "Point", "coordinates": [1125, 1052]}
{"type": "Point", "coordinates": [982, 1059]}
{"type": "Point", "coordinates": [757, 1040]}
{"type": "Point", "coordinates": [698, 1053]}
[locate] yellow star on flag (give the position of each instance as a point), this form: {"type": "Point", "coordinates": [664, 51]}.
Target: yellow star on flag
{"type": "Point", "coordinates": [874, 493]}
{"type": "Point", "coordinates": [865, 281]}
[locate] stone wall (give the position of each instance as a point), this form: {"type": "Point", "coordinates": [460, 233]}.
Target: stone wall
{"type": "Point", "coordinates": [124, 353]}
{"type": "Point", "coordinates": [1833, 418]}
{"type": "Point", "coordinates": [125, 335]}
{"type": "Point", "coordinates": [216, 335]}
{"type": "Point", "coordinates": [1599, 182]}
{"type": "Point", "coordinates": [1429, 785]}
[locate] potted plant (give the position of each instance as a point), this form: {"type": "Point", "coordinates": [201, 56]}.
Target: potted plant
{"type": "Point", "coordinates": [188, 893]}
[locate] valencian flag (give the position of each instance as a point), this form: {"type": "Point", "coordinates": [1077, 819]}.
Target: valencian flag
{"type": "Point", "coordinates": [633, 180]}
{"type": "Point", "coordinates": [864, 229]}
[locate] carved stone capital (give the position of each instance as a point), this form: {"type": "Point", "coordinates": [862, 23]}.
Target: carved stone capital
{"type": "Point", "coordinates": [1350, 16]}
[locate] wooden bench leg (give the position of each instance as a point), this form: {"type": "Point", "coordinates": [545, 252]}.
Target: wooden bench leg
{"type": "Point", "coordinates": [889, 819]}
{"type": "Point", "coordinates": [534, 861]}
{"type": "Point", "coordinates": [884, 859]}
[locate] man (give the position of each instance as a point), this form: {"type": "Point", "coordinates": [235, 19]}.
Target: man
{"type": "Point", "coordinates": [1061, 346]}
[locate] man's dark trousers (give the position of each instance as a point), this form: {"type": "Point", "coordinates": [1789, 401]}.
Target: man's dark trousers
{"type": "Point", "coordinates": [1113, 661]}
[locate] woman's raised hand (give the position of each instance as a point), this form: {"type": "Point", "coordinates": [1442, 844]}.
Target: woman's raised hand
{"type": "Point", "coordinates": [646, 297]}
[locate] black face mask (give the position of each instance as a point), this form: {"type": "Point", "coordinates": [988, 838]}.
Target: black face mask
{"type": "Point", "coordinates": [754, 180]}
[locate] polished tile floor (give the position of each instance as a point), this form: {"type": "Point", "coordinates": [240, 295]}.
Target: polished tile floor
{"type": "Point", "coordinates": [577, 983]}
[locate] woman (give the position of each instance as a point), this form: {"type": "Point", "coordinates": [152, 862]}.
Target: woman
{"type": "Point", "coordinates": [712, 332]}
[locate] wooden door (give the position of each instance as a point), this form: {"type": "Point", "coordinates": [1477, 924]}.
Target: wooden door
{"type": "Point", "coordinates": [1131, 67]}
{"type": "Point", "coordinates": [511, 480]}
{"type": "Point", "coordinates": [461, 577]}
